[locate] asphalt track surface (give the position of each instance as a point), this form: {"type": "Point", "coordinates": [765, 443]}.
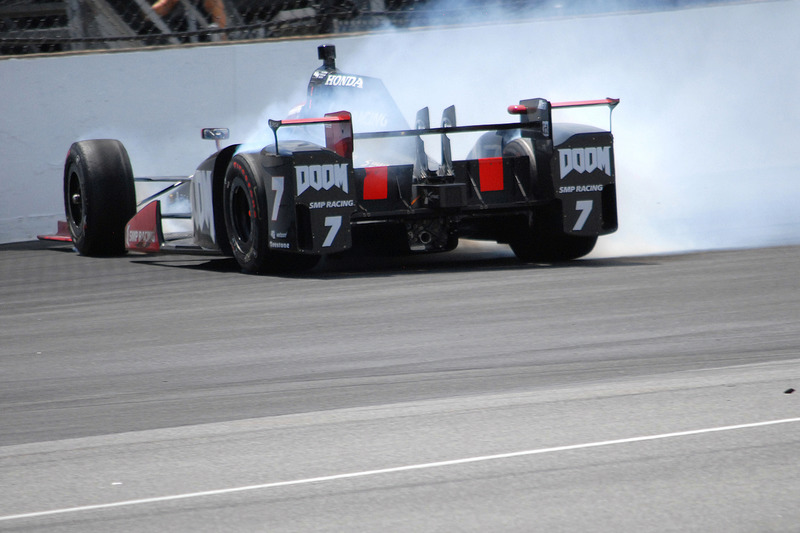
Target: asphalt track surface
{"type": "Point", "coordinates": [460, 392]}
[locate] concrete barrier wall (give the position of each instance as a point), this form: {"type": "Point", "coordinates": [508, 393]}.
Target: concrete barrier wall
{"type": "Point", "coordinates": [706, 134]}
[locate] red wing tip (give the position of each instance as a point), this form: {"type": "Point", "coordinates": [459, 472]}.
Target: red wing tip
{"type": "Point", "coordinates": [605, 101]}
{"type": "Point", "coordinates": [58, 238]}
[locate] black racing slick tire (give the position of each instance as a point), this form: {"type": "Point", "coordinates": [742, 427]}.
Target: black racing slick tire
{"type": "Point", "coordinates": [246, 226]}
{"type": "Point", "coordinates": [246, 222]}
{"type": "Point", "coordinates": [520, 147]}
{"type": "Point", "coordinates": [545, 241]}
{"type": "Point", "coordinates": [491, 144]}
{"type": "Point", "coordinates": [99, 196]}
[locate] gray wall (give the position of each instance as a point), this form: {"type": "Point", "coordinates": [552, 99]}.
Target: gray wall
{"type": "Point", "coordinates": [706, 134]}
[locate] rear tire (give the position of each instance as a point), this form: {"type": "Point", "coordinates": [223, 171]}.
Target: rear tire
{"type": "Point", "coordinates": [246, 222]}
{"type": "Point", "coordinates": [489, 144]}
{"type": "Point", "coordinates": [546, 242]}
{"type": "Point", "coordinates": [99, 196]}
{"type": "Point", "coordinates": [521, 147]}
{"type": "Point", "coordinates": [247, 231]}
{"type": "Point", "coordinates": [492, 144]}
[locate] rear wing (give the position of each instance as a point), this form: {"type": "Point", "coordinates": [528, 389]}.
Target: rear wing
{"type": "Point", "coordinates": [535, 117]}
{"type": "Point", "coordinates": [539, 126]}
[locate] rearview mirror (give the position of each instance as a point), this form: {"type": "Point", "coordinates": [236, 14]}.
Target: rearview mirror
{"type": "Point", "coordinates": [216, 134]}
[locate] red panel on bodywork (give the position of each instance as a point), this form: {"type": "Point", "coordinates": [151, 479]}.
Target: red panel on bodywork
{"type": "Point", "coordinates": [143, 232]}
{"type": "Point", "coordinates": [491, 174]}
{"type": "Point", "coordinates": [376, 183]}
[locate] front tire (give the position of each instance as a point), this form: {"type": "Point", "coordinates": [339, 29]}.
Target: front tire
{"type": "Point", "coordinates": [99, 196]}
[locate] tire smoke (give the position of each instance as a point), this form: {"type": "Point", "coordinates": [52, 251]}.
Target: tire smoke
{"type": "Point", "coordinates": [705, 135]}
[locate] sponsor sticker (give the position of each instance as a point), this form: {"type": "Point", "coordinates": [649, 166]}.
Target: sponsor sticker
{"type": "Point", "coordinates": [580, 188]}
{"type": "Point", "coordinates": [338, 80]}
{"type": "Point", "coordinates": [141, 238]}
{"type": "Point", "coordinates": [584, 160]}
{"type": "Point", "coordinates": [321, 177]}
{"type": "Point", "coordinates": [332, 204]}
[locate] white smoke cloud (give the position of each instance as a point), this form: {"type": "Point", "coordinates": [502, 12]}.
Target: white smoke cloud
{"type": "Point", "coordinates": [706, 132]}
{"type": "Point", "coordinates": [258, 134]}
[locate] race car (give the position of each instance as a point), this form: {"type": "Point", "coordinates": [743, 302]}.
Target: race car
{"type": "Point", "coordinates": [345, 169]}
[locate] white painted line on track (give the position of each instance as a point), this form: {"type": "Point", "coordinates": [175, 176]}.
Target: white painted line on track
{"type": "Point", "coordinates": [392, 470]}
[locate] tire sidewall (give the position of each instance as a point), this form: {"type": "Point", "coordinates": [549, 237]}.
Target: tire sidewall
{"type": "Point", "coordinates": [77, 228]}
{"type": "Point", "coordinates": [249, 250]}
{"type": "Point", "coordinates": [522, 147]}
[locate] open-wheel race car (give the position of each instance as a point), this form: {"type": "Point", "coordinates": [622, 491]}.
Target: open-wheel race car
{"type": "Point", "coordinates": [346, 170]}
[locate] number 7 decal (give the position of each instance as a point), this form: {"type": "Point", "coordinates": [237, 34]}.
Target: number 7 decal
{"type": "Point", "coordinates": [277, 187]}
{"type": "Point", "coordinates": [334, 223]}
{"type": "Point", "coordinates": [585, 207]}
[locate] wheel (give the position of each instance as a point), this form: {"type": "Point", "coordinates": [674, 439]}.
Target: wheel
{"type": "Point", "coordinates": [552, 248]}
{"type": "Point", "coordinates": [491, 144]}
{"type": "Point", "coordinates": [546, 242]}
{"type": "Point", "coordinates": [247, 231]}
{"type": "Point", "coordinates": [99, 196]}
{"type": "Point", "coordinates": [520, 147]}
{"type": "Point", "coordinates": [246, 222]}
